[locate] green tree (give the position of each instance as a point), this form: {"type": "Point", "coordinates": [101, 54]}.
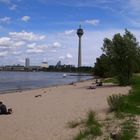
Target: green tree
{"type": "Point", "coordinates": [102, 67]}
{"type": "Point", "coordinates": [123, 53]}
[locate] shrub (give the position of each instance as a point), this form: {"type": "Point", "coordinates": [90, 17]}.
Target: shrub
{"type": "Point", "coordinates": [115, 102]}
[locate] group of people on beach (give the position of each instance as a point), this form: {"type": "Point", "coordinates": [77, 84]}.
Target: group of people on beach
{"type": "Point", "coordinates": [95, 84]}
{"type": "Point", "coordinates": [4, 110]}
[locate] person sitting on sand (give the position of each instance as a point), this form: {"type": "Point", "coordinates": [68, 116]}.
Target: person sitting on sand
{"type": "Point", "coordinates": [3, 109]}
{"type": "Point", "coordinates": [100, 83]}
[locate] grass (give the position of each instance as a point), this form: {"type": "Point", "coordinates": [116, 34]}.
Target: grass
{"type": "Point", "coordinates": [129, 103]}
{"type": "Point", "coordinates": [115, 102]}
{"type": "Point", "coordinates": [132, 101]}
{"type": "Point", "coordinates": [110, 80]}
{"type": "Point", "coordinates": [124, 106]}
{"type": "Point", "coordinates": [127, 107]}
{"type": "Point", "coordinates": [129, 129]}
{"type": "Point", "coordinates": [89, 127]}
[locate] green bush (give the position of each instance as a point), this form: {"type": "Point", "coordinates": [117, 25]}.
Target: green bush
{"type": "Point", "coordinates": [116, 102]}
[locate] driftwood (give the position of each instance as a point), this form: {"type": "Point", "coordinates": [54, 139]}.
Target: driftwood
{"type": "Point", "coordinates": [38, 96]}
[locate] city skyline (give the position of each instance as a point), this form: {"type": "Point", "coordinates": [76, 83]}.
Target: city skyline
{"type": "Point", "coordinates": [45, 30]}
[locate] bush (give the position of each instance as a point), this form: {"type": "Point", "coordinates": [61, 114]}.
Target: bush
{"type": "Point", "coordinates": [115, 102]}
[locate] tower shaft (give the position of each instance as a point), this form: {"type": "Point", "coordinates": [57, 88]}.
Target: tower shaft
{"type": "Point", "coordinates": [79, 53]}
{"type": "Point", "coordinates": [80, 32]}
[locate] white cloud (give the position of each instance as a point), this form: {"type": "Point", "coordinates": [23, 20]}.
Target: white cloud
{"type": "Point", "coordinates": [5, 41]}
{"type": "Point", "coordinates": [34, 51]}
{"type": "Point", "coordinates": [16, 53]}
{"type": "Point", "coordinates": [26, 36]}
{"type": "Point", "coordinates": [25, 18]}
{"type": "Point", "coordinates": [56, 45]}
{"type": "Point", "coordinates": [21, 61]}
{"type": "Point", "coordinates": [9, 3]}
{"type": "Point", "coordinates": [61, 57]}
{"type": "Point", "coordinates": [31, 46]}
{"type": "Point", "coordinates": [54, 51]}
{"type": "Point", "coordinates": [69, 56]}
{"type": "Point", "coordinates": [42, 46]}
{"type": "Point", "coordinates": [92, 21]}
{"type": "Point", "coordinates": [3, 54]}
{"type": "Point", "coordinates": [36, 46]}
{"type": "Point", "coordinates": [9, 43]}
{"type": "Point", "coordinates": [6, 20]}
{"type": "Point", "coordinates": [69, 32]}
{"type": "Point", "coordinates": [19, 43]}
{"type": "Point", "coordinates": [13, 7]}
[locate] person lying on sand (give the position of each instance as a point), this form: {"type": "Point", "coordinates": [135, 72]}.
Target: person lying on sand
{"type": "Point", "coordinates": [92, 87]}
{"type": "Point", "coordinates": [98, 82]}
{"type": "Point", "coordinates": [3, 109]}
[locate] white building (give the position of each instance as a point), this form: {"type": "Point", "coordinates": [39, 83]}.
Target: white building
{"type": "Point", "coordinates": [44, 65]}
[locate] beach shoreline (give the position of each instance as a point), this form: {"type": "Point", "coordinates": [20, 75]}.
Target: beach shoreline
{"type": "Point", "coordinates": [15, 81]}
{"type": "Point", "coordinates": [49, 86]}
{"type": "Point", "coordinates": [44, 113]}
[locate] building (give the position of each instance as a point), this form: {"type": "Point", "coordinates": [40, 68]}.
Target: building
{"type": "Point", "coordinates": [14, 68]}
{"type": "Point", "coordinates": [44, 65]}
{"type": "Point", "coordinates": [17, 68]}
{"type": "Point", "coordinates": [27, 63]}
{"type": "Point", "coordinates": [58, 64]}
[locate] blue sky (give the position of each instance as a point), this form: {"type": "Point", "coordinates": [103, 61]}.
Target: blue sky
{"type": "Point", "coordinates": [45, 30]}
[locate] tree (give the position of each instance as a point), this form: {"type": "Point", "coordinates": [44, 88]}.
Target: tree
{"type": "Point", "coordinates": [102, 67]}
{"type": "Point", "coordinates": [123, 53]}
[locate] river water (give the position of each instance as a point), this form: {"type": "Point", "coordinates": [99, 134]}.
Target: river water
{"type": "Point", "coordinates": [10, 81]}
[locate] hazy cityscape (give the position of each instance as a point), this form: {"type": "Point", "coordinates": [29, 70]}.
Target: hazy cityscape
{"type": "Point", "coordinates": [29, 67]}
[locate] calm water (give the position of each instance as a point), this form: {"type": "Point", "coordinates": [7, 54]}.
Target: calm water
{"type": "Point", "coordinates": [10, 81]}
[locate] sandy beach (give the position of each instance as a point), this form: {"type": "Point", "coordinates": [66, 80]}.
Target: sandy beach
{"type": "Point", "coordinates": [45, 117]}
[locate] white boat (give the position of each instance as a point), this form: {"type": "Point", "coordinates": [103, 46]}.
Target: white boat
{"type": "Point", "coordinates": [64, 75]}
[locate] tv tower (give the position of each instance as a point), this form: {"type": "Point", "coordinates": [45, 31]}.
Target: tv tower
{"type": "Point", "coordinates": [80, 32]}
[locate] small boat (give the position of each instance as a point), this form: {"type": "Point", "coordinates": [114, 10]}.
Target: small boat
{"type": "Point", "coordinates": [64, 75]}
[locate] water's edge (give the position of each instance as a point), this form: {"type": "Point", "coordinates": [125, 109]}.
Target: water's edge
{"type": "Point", "coordinates": [16, 81]}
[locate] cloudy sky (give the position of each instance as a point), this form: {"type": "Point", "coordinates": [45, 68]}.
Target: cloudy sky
{"type": "Point", "coordinates": [45, 30]}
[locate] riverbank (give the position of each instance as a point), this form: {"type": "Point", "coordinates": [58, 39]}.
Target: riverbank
{"type": "Point", "coordinates": [44, 113]}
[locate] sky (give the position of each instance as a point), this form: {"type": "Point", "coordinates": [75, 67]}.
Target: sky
{"type": "Point", "coordinates": [45, 30]}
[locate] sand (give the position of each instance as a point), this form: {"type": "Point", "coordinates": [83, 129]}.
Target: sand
{"type": "Point", "coordinates": [45, 117]}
